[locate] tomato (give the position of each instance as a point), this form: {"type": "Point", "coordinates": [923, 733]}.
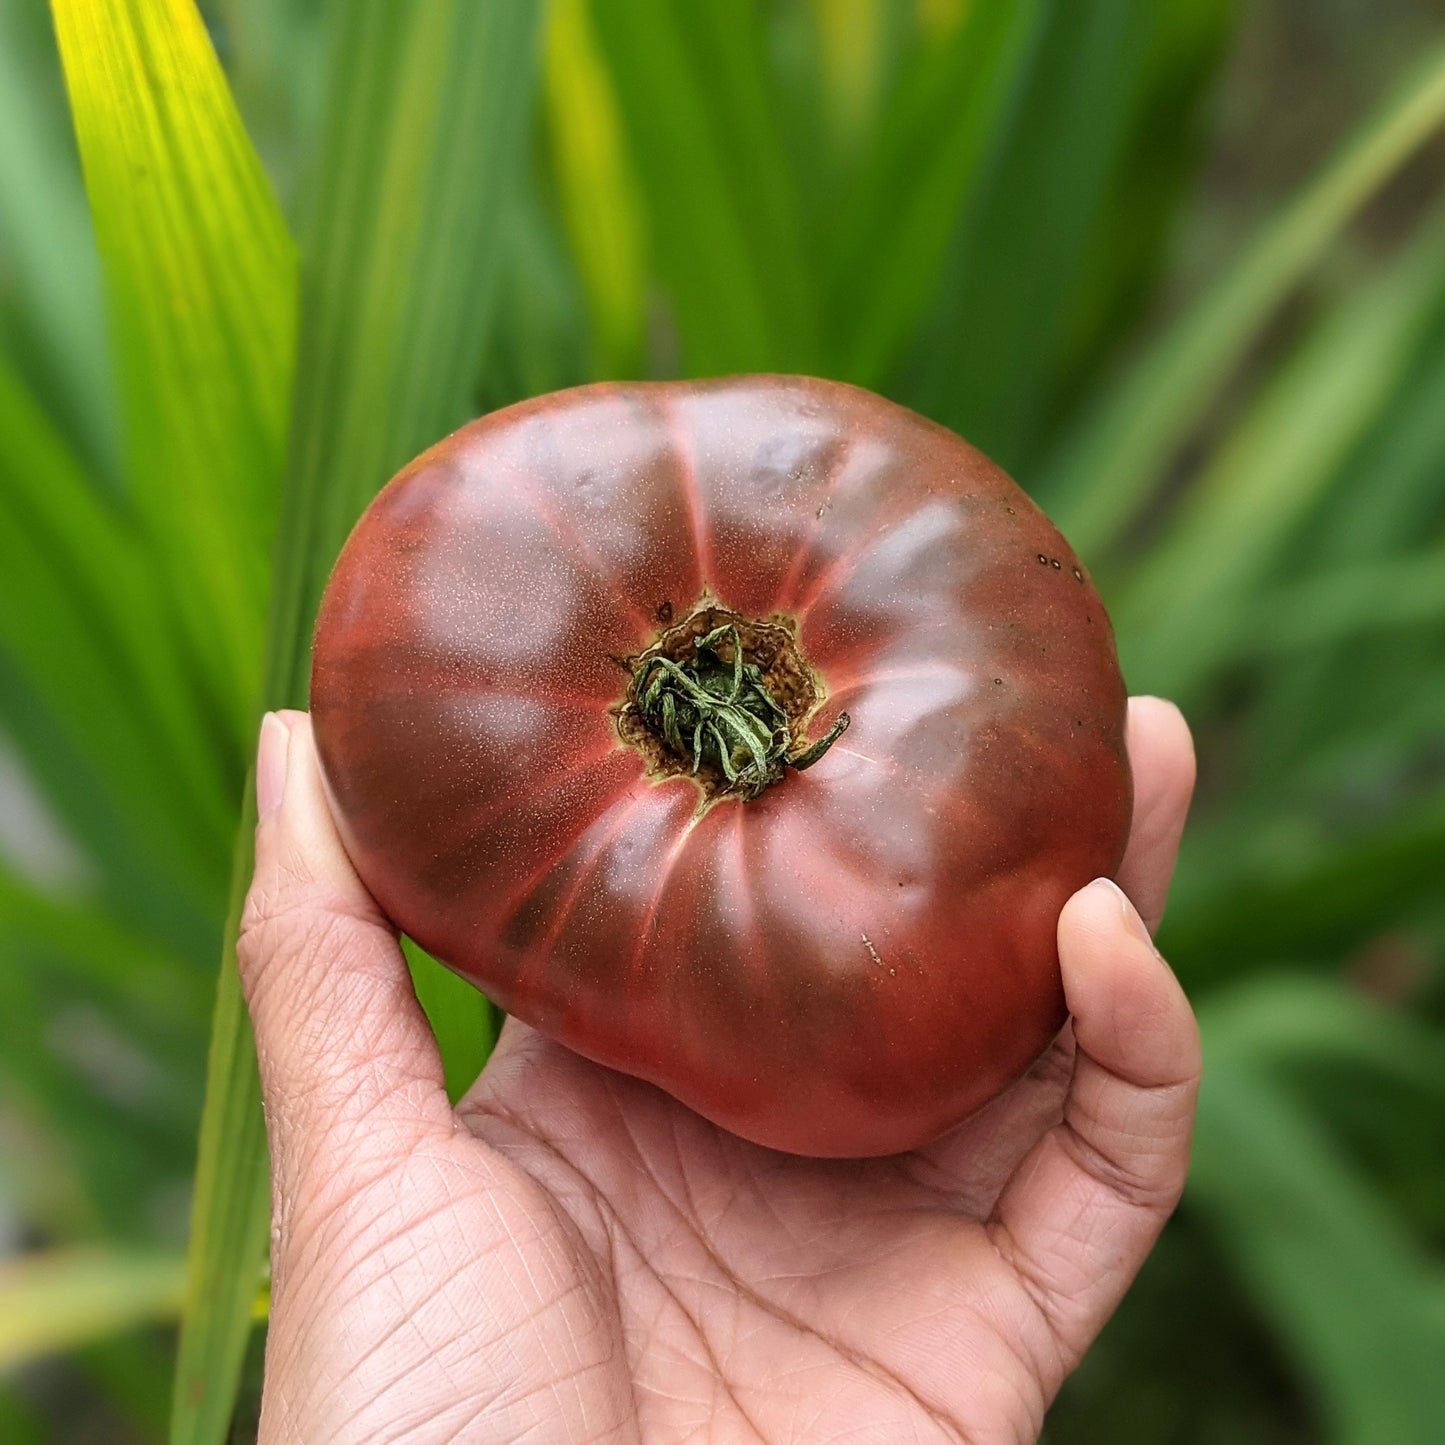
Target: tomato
{"type": "Point", "coordinates": [842, 961]}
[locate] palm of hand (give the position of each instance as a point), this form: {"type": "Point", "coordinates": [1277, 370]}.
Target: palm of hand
{"type": "Point", "coordinates": [758, 1295]}
{"type": "Point", "coordinates": [571, 1255]}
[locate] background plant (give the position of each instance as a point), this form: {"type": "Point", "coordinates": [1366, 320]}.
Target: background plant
{"type": "Point", "coordinates": [1180, 267]}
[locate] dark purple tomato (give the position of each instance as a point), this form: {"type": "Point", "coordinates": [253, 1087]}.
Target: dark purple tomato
{"type": "Point", "coordinates": [565, 672]}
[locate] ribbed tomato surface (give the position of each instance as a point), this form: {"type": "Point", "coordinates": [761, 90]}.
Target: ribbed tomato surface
{"type": "Point", "coordinates": [848, 964]}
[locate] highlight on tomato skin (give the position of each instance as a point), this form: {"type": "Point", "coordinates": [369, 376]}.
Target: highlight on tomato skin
{"type": "Point", "coordinates": [580, 685]}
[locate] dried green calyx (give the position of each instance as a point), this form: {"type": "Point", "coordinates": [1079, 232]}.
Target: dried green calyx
{"type": "Point", "coordinates": [729, 718]}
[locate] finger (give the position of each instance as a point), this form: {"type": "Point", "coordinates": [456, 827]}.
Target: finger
{"type": "Point", "coordinates": [1161, 753]}
{"type": "Point", "coordinates": [1088, 1202]}
{"type": "Point", "coordinates": [977, 1159]}
{"type": "Point", "coordinates": [339, 1033]}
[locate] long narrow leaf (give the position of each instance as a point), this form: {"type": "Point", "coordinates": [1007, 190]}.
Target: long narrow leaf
{"type": "Point", "coordinates": [48, 250]}
{"type": "Point", "coordinates": [231, 1209]}
{"type": "Point", "coordinates": [897, 221]}
{"type": "Point", "coordinates": [57, 1301]}
{"type": "Point", "coordinates": [201, 282]}
{"type": "Point", "coordinates": [722, 199]}
{"type": "Point", "coordinates": [1277, 1020]}
{"type": "Point", "coordinates": [84, 617]}
{"type": "Point", "coordinates": [1344, 604]}
{"type": "Point", "coordinates": [852, 48]}
{"type": "Point", "coordinates": [540, 338]}
{"type": "Point", "coordinates": [1353, 1300]}
{"type": "Point", "coordinates": [463, 1020]}
{"type": "Point", "coordinates": [598, 192]}
{"type": "Point", "coordinates": [112, 959]}
{"type": "Point", "coordinates": [990, 361]}
{"type": "Point", "coordinates": [115, 1119]}
{"type": "Point", "coordinates": [1182, 605]}
{"type": "Point", "coordinates": [1104, 475]}
{"type": "Point", "coordinates": [427, 120]}
{"type": "Point", "coordinates": [1324, 895]}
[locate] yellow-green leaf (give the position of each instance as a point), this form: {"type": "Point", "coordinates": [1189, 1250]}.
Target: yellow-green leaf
{"type": "Point", "coordinates": [1106, 473]}
{"type": "Point", "coordinates": [598, 193]}
{"type": "Point", "coordinates": [200, 279]}
{"type": "Point", "coordinates": [426, 123]}
{"type": "Point", "coordinates": [64, 1298]}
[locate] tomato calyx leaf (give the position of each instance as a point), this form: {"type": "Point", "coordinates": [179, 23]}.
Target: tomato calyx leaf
{"type": "Point", "coordinates": [715, 708]}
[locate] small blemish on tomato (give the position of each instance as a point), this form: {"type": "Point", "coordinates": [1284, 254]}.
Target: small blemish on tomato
{"type": "Point", "coordinates": [1078, 575]}
{"type": "Point", "coordinates": [664, 611]}
{"type": "Point", "coordinates": [1055, 564]}
{"type": "Point", "coordinates": [1044, 561]}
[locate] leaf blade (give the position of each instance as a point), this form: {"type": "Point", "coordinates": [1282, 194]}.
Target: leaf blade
{"type": "Point", "coordinates": [66, 1298]}
{"type": "Point", "coordinates": [1103, 474]}
{"type": "Point", "coordinates": [727, 235]}
{"type": "Point", "coordinates": [1350, 1294]}
{"type": "Point", "coordinates": [200, 277]}
{"type": "Point", "coordinates": [1180, 607]}
{"type": "Point", "coordinates": [83, 618]}
{"type": "Point", "coordinates": [426, 123]}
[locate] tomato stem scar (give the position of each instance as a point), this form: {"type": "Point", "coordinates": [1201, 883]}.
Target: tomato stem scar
{"type": "Point", "coordinates": [714, 709]}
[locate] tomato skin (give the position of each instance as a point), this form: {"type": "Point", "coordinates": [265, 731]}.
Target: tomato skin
{"type": "Point", "coordinates": [849, 964]}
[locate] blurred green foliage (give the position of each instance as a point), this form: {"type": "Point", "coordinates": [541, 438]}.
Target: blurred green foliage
{"type": "Point", "coordinates": [1180, 266]}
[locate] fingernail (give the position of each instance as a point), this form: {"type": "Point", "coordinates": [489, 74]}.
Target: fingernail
{"type": "Point", "coordinates": [271, 764]}
{"type": "Point", "coordinates": [1129, 913]}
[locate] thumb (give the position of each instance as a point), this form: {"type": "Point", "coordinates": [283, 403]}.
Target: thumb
{"type": "Point", "coordinates": [342, 1043]}
{"type": "Point", "coordinates": [1085, 1207]}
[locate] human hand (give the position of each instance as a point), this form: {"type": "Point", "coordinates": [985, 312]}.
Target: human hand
{"type": "Point", "coordinates": [570, 1255]}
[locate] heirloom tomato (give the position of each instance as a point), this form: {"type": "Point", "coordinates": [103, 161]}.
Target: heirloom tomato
{"type": "Point", "coordinates": [569, 671]}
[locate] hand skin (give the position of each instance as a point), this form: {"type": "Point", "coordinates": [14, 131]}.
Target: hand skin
{"type": "Point", "coordinates": [568, 1255]}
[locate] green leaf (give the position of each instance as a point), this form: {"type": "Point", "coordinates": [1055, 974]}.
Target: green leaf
{"type": "Point", "coordinates": [231, 1210]}
{"type": "Point", "coordinates": [426, 125]}
{"type": "Point", "coordinates": [114, 962]}
{"type": "Point", "coordinates": [1355, 1302]}
{"type": "Point", "coordinates": [1343, 604]}
{"type": "Point", "coordinates": [200, 276]}
{"type": "Point", "coordinates": [597, 190]}
{"type": "Point", "coordinates": [1181, 607]}
{"type": "Point", "coordinates": [895, 224]}
{"type": "Point", "coordinates": [1250, 900]}
{"type": "Point", "coordinates": [989, 360]}
{"type": "Point", "coordinates": [64, 1298]}
{"type": "Point", "coordinates": [726, 232]}
{"type": "Point", "coordinates": [1180, 48]}
{"type": "Point", "coordinates": [852, 44]}
{"type": "Point", "coordinates": [1105, 473]}
{"type": "Point", "coordinates": [102, 1096]}
{"type": "Point", "coordinates": [423, 143]}
{"type": "Point", "coordinates": [271, 51]}
{"type": "Point", "coordinates": [86, 620]}
{"type": "Point", "coordinates": [25, 1421]}
{"type": "Point", "coordinates": [463, 1020]}
{"type": "Point", "coordinates": [1276, 1020]}
{"type": "Point", "coordinates": [1354, 618]}
{"type": "Point", "coordinates": [539, 339]}
{"type": "Point", "coordinates": [47, 250]}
